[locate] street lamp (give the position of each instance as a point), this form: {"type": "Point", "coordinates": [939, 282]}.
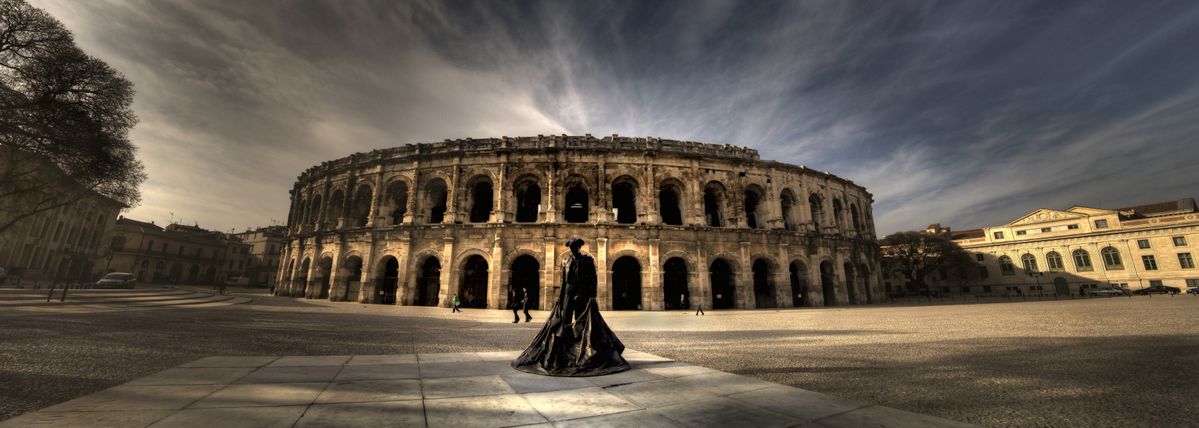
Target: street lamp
{"type": "Point", "coordinates": [1036, 277]}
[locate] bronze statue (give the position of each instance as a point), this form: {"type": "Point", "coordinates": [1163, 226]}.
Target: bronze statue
{"type": "Point", "coordinates": [575, 341]}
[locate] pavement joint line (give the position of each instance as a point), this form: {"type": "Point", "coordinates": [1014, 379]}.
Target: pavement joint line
{"type": "Point", "coordinates": [318, 395]}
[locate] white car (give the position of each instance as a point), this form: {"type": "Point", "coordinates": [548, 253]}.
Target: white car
{"type": "Point", "coordinates": [1110, 291]}
{"type": "Point", "coordinates": [117, 280]}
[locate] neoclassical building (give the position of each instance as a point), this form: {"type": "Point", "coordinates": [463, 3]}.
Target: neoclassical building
{"type": "Point", "coordinates": [671, 224]}
{"type": "Point", "coordinates": [1060, 252]}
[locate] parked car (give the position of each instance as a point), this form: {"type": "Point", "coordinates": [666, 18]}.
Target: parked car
{"type": "Point", "coordinates": [117, 280]}
{"type": "Point", "coordinates": [1193, 290]}
{"type": "Point", "coordinates": [1109, 291]}
{"type": "Point", "coordinates": [1158, 289]}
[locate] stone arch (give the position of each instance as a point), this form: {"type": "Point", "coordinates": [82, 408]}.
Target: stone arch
{"type": "Point", "coordinates": [715, 204]}
{"type": "Point", "coordinates": [787, 207]}
{"type": "Point", "coordinates": [676, 281]}
{"type": "Point", "coordinates": [314, 210]}
{"type": "Point", "coordinates": [388, 268]}
{"type": "Point", "coordinates": [722, 276]}
{"type": "Point", "coordinates": [435, 200]}
{"type": "Point", "coordinates": [854, 217]}
{"type": "Point", "coordinates": [764, 270]}
{"type": "Point", "coordinates": [427, 284]}
{"type": "Point", "coordinates": [851, 286]}
{"type": "Point", "coordinates": [576, 199]}
{"type": "Point", "coordinates": [828, 282]}
{"type": "Point", "coordinates": [816, 208]}
{"type": "Point", "coordinates": [864, 273]}
{"type": "Point", "coordinates": [193, 274]}
{"type": "Point", "coordinates": [754, 205]}
{"type": "Point", "coordinates": [671, 201]}
{"type": "Point", "coordinates": [524, 279]}
{"type": "Point", "coordinates": [324, 270]}
{"type": "Point", "coordinates": [528, 195]}
{"type": "Point", "coordinates": [395, 199]}
{"type": "Point", "coordinates": [360, 209]}
{"type": "Point", "coordinates": [473, 278]}
{"type": "Point", "coordinates": [797, 275]}
{"type": "Point", "coordinates": [626, 283]}
{"type": "Point", "coordinates": [623, 197]}
{"type": "Point", "coordinates": [333, 206]}
{"type": "Point", "coordinates": [349, 275]}
{"type": "Point", "coordinates": [837, 213]}
{"type": "Point", "coordinates": [478, 197]}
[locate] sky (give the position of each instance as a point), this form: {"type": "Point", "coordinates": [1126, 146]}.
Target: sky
{"type": "Point", "coordinates": [965, 113]}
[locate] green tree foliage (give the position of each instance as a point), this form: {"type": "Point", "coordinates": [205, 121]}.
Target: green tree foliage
{"type": "Point", "coordinates": [916, 255]}
{"type": "Point", "coordinates": [64, 120]}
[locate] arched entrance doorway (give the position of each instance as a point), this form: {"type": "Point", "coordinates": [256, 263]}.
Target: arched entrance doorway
{"type": "Point", "coordinates": [301, 285]}
{"type": "Point", "coordinates": [577, 204]}
{"type": "Point", "coordinates": [428, 283]}
{"type": "Point", "coordinates": [528, 200]}
{"type": "Point", "coordinates": [721, 277]}
{"type": "Point", "coordinates": [626, 284]}
{"type": "Point", "coordinates": [322, 270]}
{"type": "Point", "coordinates": [193, 274]}
{"type": "Point", "coordinates": [1061, 287]}
{"type": "Point", "coordinates": [526, 278]}
{"type": "Point", "coordinates": [388, 282]}
{"type": "Point", "coordinates": [624, 200]}
{"type": "Point", "coordinates": [669, 204]}
{"type": "Point", "coordinates": [435, 200]}
{"type": "Point", "coordinates": [350, 277]}
{"type": "Point", "coordinates": [473, 290]}
{"type": "Point", "coordinates": [480, 200]}
{"type": "Point", "coordinates": [210, 275]}
{"type": "Point", "coordinates": [799, 284]}
{"type": "Point", "coordinates": [851, 286]}
{"type": "Point", "coordinates": [763, 289]}
{"type": "Point", "coordinates": [828, 283]}
{"type": "Point", "coordinates": [674, 284]}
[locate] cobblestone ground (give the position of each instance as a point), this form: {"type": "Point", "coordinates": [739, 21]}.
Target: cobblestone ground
{"type": "Point", "coordinates": [1095, 362]}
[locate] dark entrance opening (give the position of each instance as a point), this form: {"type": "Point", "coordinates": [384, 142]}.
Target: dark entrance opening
{"type": "Point", "coordinates": [193, 274]}
{"type": "Point", "coordinates": [713, 200]}
{"type": "Point", "coordinates": [624, 200]}
{"type": "Point", "coordinates": [528, 199]}
{"type": "Point", "coordinates": [799, 285]}
{"type": "Point", "coordinates": [481, 201]}
{"type": "Point", "coordinates": [850, 286]}
{"type": "Point", "coordinates": [817, 209]}
{"type": "Point", "coordinates": [787, 205]}
{"type": "Point", "coordinates": [302, 282]}
{"type": "Point", "coordinates": [526, 278]}
{"type": "Point", "coordinates": [668, 205]}
{"type": "Point", "coordinates": [827, 283]}
{"type": "Point", "coordinates": [1061, 287]}
{"type": "Point", "coordinates": [473, 290]}
{"type": "Point", "coordinates": [674, 284]}
{"type": "Point", "coordinates": [428, 283]}
{"type": "Point", "coordinates": [362, 206]}
{"type": "Point", "coordinates": [577, 205]}
{"type": "Point", "coordinates": [351, 278]}
{"type": "Point", "coordinates": [323, 269]}
{"type": "Point", "coordinates": [626, 284]}
{"type": "Point", "coordinates": [752, 200]}
{"type": "Point", "coordinates": [721, 277]}
{"type": "Point", "coordinates": [435, 199]}
{"type": "Point", "coordinates": [763, 289]}
{"type": "Point", "coordinates": [388, 282]}
{"type": "Point", "coordinates": [397, 201]}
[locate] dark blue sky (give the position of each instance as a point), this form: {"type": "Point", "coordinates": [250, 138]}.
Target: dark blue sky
{"type": "Point", "coordinates": [967, 113]}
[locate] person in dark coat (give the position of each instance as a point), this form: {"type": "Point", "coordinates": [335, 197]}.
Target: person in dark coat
{"type": "Point", "coordinates": [524, 304]}
{"type": "Point", "coordinates": [514, 304]}
{"type": "Point", "coordinates": [575, 340]}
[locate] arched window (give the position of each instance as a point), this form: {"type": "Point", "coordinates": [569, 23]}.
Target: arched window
{"type": "Point", "coordinates": [624, 200]}
{"type": "Point", "coordinates": [362, 206]}
{"type": "Point", "coordinates": [853, 214]}
{"type": "Point", "coordinates": [1111, 259]}
{"type": "Point", "coordinates": [714, 204]}
{"type": "Point", "coordinates": [480, 200]}
{"type": "Point", "coordinates": [1030, 263]}
{"type": "Point", "coordinates": [1053, 261]}
{"type": "Point", "coordinates": [817, 208]}
{"type": "Point", "coordinates": [752, 205]}
{"type": "Point", "coordinates": [397, 201]}
{"type": "Point", "coordinates": [578, 204]}
{"type": "Point", "coordinates": [669, 203]}
{"type": "Point", "coordinates": [1005, 266]}
{"type": "Point", "coordinates": [436, 193]}
{"type": "Point", "coordinates": [787, 204]}
{"type": "Point", "coordinates": [528, 199]}
{"type": "Point", "coordinates": [1082, 261]}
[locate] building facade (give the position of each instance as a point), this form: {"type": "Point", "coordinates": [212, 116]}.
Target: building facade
{"type": "Point", "coordinates": [1052, 252]}
{"type": "Point", "coordinates": [266, 245]}
{"type": "Point", "coordinates": [176, 254]}
{"type": "Point", "coordinates": [671, 224]}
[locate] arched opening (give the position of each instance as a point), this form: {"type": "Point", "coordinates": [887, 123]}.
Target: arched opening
{"type": "Point", "coordinates": [314, 212]}
{"type": "Point", "coordinates": [302, 281]}
{"type": "Point", "coordinates": [669, 203]}
{"type": "Point", "coordinates": [388, 282]}
{"type": "Point", "coordinates": [816, 206]}
{"type": "Point", "coordinates": [720, 276]}
{"type": "Point", "coordinates": [850, 287]}
{"type": "Point", "coordinates": [362, 206]}
{"type": "Point", "coordinates": [210, 275]}
{"type": "Point", "coordinates": [787, 205]}
{"type": "Point", "coordinates": [193, 274]}
{"type": "Point", "coordinates": [764, 296]}
{"type": "Point", "coordinates": [754, 217]}
{"type": "Point", "coordinates": [528, 200]}
{"type": "Point", "coordinates": [428, 284]}
{"type": "Point", "coordinates": [350, 277]}
{"type": "Point", "coordinates": [481, 200]}
{"type": "Point", "coordinates": [435, 200]}
{"type": "Point", "coordinates": [1061, 287]}
{"type": "Point", "coordinates": [526, 280]}
{"type": "Point", "coordinates": [799, 284]}
{"type": "Point", "coordinates": [828, 283]}
{"type": "Point", "coordinates": [626, 284]}
{"type": "Point", "coordinates": [714, 204]}
{"type": "Point", "coordinates": [397, 201]}
{"type": "Point", "coordinates": [624, 200]}
{"type": "Point", "coordinates": [472, 292]}
{"type": "Point", "coordinates": [837, 214]}
{"type": "Point", "coordinates": [323, 269]}
{"type": "Point", "coordinates": [674, 284]}
{"type": "Point", "coordinates": [288, 275]}
{"type": "Point", "coordinates": [853, 214]}
{"type": "Point", "coordinates": [864, 274]}
{"type": "Point", "coordinates": [334, 207]}
{"type": "Point", "coordinates": [578, 204]}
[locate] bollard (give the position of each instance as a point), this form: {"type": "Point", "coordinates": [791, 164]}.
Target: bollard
{"type": "Point", "coordinates": [63, 298]}
{"type": "Point", "coordinates": [50, 295]}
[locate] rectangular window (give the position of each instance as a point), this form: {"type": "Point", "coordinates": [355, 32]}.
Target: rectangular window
{"type": "Point", "coordinates": [983, 272]}
{"type": "Point", "coordinates": [1101, 224]}
{"type": "Point", "coordinates": [998, 235]}
{"type": "Point", "coordinates": [1072, 227]}
{"type": "Point", "coordinates": [1155, 283]}
{"type": "Point", "coordinates": [1142, 243]}
{"type": "Point", "coordinates": [1046, 229]}
{"type": "Point", "coordinates": [1193, 283]}
{"type": "Point", "coordinates": [1021, 232]}
{"type": "Point", "coordinates": [1150, 262]}
{"type": "Point", "coordinates": [1185, 261]}
{"type": "Point", "coordinates": [1180, 241]}
{"type": "Point", "coordinates": [978, 257]}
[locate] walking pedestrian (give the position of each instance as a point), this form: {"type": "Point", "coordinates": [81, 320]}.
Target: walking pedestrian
{"type": "Point", "coordinates": [683, 302]}
{"type": "Point", "coordinates": [1081, 291]}
{"type": "Point", "coordinates": [524, 303]}
{"type": "Point", "coordinates": [514, 305]}
{"type": "Point", "coordinates": [456, 303]}
{"type": "Point", "coordinates": [699, 309]}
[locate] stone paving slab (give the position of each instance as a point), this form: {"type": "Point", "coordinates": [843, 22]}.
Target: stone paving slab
{"type": "Point", "coordinates": [470, 389]}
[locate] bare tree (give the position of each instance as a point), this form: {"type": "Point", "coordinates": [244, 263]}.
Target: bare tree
{"type": "Point", "coordinates": [918, 254]}
{"type": "Point", "coordinates": [64, 120]}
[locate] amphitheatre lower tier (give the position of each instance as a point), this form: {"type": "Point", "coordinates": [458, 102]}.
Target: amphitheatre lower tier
{"type": "Point", "coordinates": [671, 225]}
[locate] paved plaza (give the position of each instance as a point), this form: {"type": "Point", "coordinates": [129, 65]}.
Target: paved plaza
{"type": "Point", "coordinates": [1092, 362]}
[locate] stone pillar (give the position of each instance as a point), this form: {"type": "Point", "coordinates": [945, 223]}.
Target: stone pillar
{"type": "Point", "coordinates": [448, 271]}
{"type": "Point", "coordinates": [550, 274]}
{"type": "Point", "coordinates": [744, 292]}
{"type": "Point", "coordinates": [782, 278]}
{"type": "Point", "coordinates": [373, 219]}
{"type": "Point", "coordinates": [498, 190]}
{"type": "Point", "coordinates": [653, 296]}
{"type": "Point", "coordinates": [603, 291]}
{"type": "Point", "coordinates": [549, 212]}
{"type": "Point", "coordinates": [410, 214]}
{"type": "Point", "coordinates": [601, 211]}
{"type": "Point", "coordinates": [336, 293]}
{"type": "Point", "coordinates": [701, 292]}
{"type": "Point", "coordinates": [495, 274]}
{"type": "Point", "coordinates": [452, 206]}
